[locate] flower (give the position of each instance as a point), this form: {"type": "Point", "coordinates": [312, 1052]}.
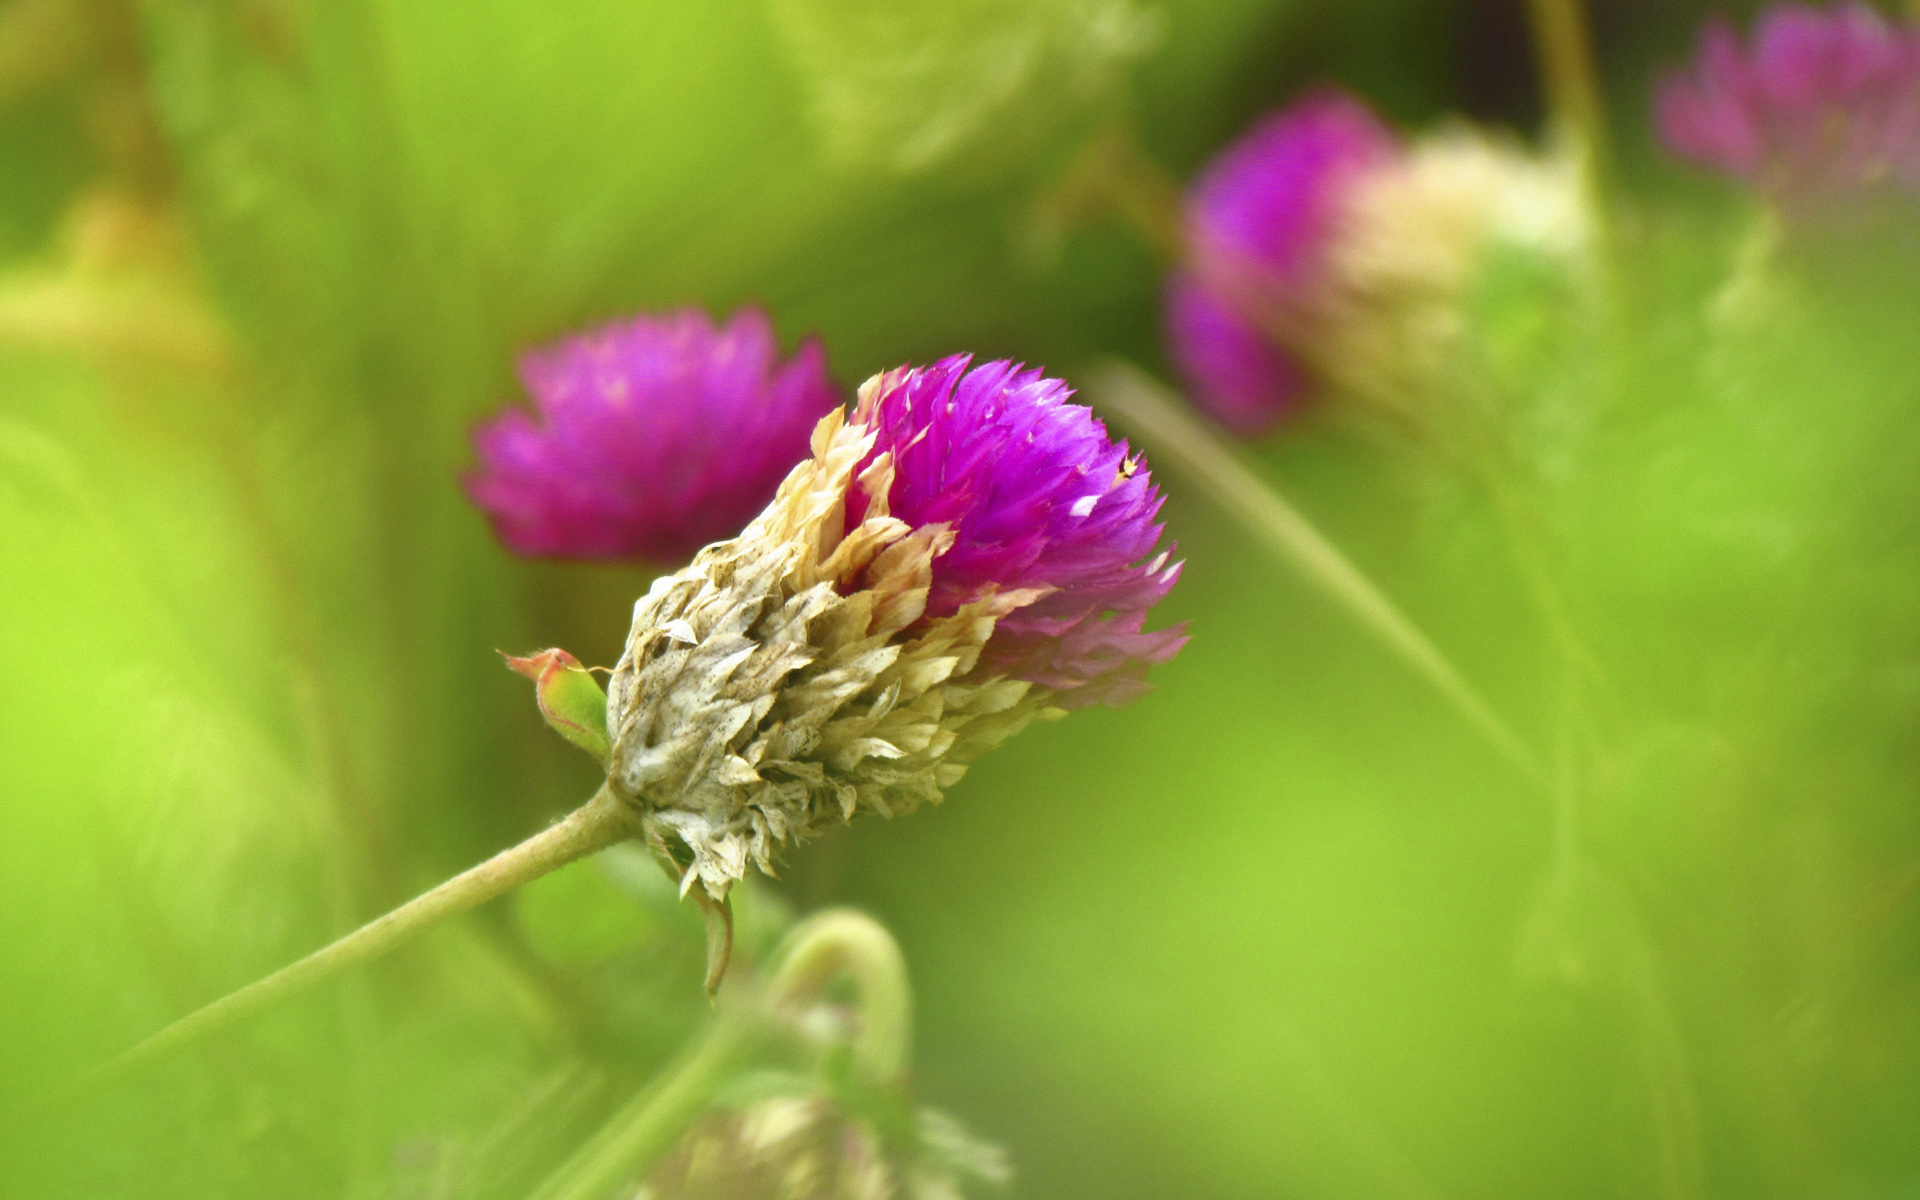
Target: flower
{"type": "Point", "coordinates": [1259, 222]}
{"type": "Point", "coordinates": [1036, 497]}
{"type": "Point", "coordinates": [1323, 253]}
{"type": "Point", "coordinates": [653, 437]}
{"type": "Point", "coordinates": [965, 554]}
{"type": "Point", "coordinates": [808, 1147]}
{"type": "Point", "coordinates": [1819, 113]}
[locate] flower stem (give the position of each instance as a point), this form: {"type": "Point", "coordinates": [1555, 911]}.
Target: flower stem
{"type": "Point", "coordinates": [594, 826]}
{"type": "Point", "coordinates": [819, 950]}
{"type": "Point", "coordinates": [842, 941]}
{"type": "Point", "coordinates": [649, 1124]}
{"type": "Point", "coordinates": [1564, 47]}
{"type": "Point", "coordinates": [1144, 405]}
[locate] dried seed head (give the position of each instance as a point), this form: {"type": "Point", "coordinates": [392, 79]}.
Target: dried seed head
{"type": "Point", "coordinates": [797, 675]}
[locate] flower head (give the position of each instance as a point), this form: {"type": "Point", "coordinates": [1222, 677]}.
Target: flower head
{"type": "Point", "coordinates": [1325, 252]}
{"type": "Point", "coordinates": [1819, 112]}
{"type": "Point", "coordinates": [968, 553]}
{"type": "Point", "coordinates": [808, 1147]}
{"type": "Point", "coordinates": [1037, 497]}
{"type": "Point", "coordinates": [652, 437]}
{"type": "Point", "coordinates": [1260, 223]}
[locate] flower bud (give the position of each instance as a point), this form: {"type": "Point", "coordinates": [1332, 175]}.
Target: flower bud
{"type": "Point", "coordinates": [569, 699]}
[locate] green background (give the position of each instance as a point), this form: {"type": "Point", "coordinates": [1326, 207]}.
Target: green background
{"type": "Point", "coordinates": [1286, 927]}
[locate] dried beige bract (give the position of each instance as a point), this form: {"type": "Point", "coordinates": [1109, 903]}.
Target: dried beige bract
{"type": "Point", "coordinates": [784, 681]}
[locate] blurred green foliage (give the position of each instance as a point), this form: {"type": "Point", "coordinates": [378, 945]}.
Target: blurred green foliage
{"type": "Point", "coordinates": [1284, 928]}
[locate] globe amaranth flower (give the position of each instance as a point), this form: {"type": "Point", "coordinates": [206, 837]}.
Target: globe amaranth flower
{"type": "Point", "coordinates": [1326, 253]}
{"type": "Point", "coordinates": [652, 437]}
{"type": "Point", "coordinates": [964, 554]}
{"type": "Point", "coordinates": [1819, 112]}
{"type": "Point", "coordinates": [807, 1147]}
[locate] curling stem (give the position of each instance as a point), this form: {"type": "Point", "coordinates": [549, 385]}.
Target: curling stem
{"type": "Point", "coordinates": [819, 950]}
{"type": "Point", "coordinates": [842, 941]}
{"type": "Point", "coordinates": [595, 825]}
{"type": "Point", "coordinates": [1145, 407]}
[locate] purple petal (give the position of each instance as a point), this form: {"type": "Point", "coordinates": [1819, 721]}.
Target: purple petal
{"type": "Point", "coordinates": [1038, 496]}
{"type": "Point", "coordinates": [1239, 376]}
{"type": "Point", "coordinates": [1821, 111]}
{"type": "Point", "coordinates": [653, 437]}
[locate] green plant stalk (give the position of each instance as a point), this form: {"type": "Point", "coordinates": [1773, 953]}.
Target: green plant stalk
{"type": "Point", "coordinates": [1145, 407]}
{"type": "Point", "coordinates": [819, 950]}
{"type": "Point", "coordinates": [595, 825]}
{"type": "Point", "coordinates": [647, 1126]}
{"type": "Point", "coordinates": [1563, 45]}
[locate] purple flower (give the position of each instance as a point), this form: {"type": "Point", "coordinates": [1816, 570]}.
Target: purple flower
{"type": "Point", "coordinates": [1246, 380]}
{"type": "Point", "coordinates": [1820, 112]}
{"type": "Point", "coordinates": [1037, 496]}
{"type": "Point", "coordinates": [1259, 223]}
{"type": "Point", "coordinates": [653, 437]}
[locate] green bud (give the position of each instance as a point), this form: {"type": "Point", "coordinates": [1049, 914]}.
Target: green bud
{"type": "Point", "coordinates": [569, 698]}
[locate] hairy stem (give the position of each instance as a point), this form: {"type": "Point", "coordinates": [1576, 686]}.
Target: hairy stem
{"type": "Point", "coordinates": [1145, 407]}
{"type": "Point", "coordinates": [595, 825]}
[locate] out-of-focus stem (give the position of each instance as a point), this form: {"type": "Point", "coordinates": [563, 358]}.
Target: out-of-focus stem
{"type": "Point", "coordinates": [1563, 44]}
{"type": "Point", "coordinates": [649, 1124]}
{"type": "Point", "coordinates": [1146, 408]}
{"type": "Point", "coordinates": [838, 942]}
{"type": "Point", "coordinates": [593, 826]}
{"type": "Point", "coordinates": [819, 950]}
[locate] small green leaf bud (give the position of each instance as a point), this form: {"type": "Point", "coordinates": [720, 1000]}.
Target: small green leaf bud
{"type": "Point", "coordinates": [569, 698]}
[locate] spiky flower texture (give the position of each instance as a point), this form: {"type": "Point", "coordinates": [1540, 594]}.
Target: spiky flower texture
{"type": "Point", "coordinates": [653, 436]}
{"type": "Point", "coordinates": [1819, 112]}
{"type": "Point", "coordinates": [965, 554]}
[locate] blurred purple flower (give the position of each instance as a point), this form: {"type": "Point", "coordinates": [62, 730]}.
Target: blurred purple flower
{"type": "Point", "coordinates": [1245, 379]}
{"type": "Point", "coordinates": [653, 436]}
{"type": "Point", "coordinates": [1037, 496]}
{"type": "Point", "coordinates": [1259, 222]}
{"type": "Point", "coordinates": [1820, 112]}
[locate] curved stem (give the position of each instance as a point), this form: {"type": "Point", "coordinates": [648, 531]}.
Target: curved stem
{"type": "Point", "coordinates": [1143, 405]}
{"type": "Point", "coordinates": [843, 941]}
{"type": "Point", "coordinates": [817, 951]}
{"type": "Point", "coordinates": [595, 825]}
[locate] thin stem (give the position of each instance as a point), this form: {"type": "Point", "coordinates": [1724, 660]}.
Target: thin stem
{"type": "Point", "coordinates": [819, 950]}
{"type": "Point", "coordinates": [595, 825]}
{"type": "Point", "coordinates": [842, 941]}
{"type": "Point", "coordinates": [647, 1126]}
{"type": "Point", "coordinates": [1564, 46]}
{"type": "Point", "coordinates": [1146, 407]}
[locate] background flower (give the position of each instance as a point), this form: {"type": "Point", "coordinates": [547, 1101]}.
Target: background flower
{"type": "Point", "coordinates": [651, 437]}
{"type": "Point", "coordinates": [1819, 111]}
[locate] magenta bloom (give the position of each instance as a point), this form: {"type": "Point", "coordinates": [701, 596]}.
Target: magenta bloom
{"type": "Point", "coordinates": [1038, 496]}
{"type": "Point", "coordinates": [1819, 113]}
{"type": "Point", "coordinates": [652, 437]}
{"type": "Point", "coordinates": [1258, 224]}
